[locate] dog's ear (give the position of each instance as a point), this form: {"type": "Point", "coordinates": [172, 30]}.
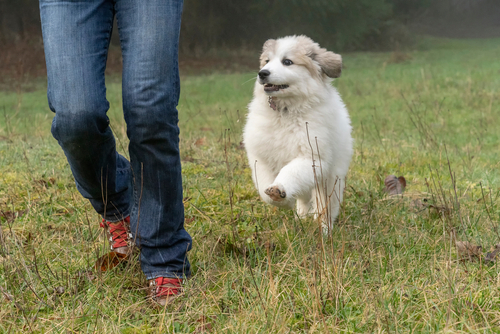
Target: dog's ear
{"type": "Point", "coordinates": [330, 63]}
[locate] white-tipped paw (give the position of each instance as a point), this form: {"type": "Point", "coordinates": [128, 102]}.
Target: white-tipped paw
{"type": "Point", "coordinates": [276, 192]}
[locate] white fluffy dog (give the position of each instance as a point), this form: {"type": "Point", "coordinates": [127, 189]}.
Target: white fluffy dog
{"type": "Point", "coordinates": [298, 132]}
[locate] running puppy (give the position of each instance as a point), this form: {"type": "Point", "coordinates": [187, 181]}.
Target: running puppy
{"type": "Point", "coordinates": [298, 132]}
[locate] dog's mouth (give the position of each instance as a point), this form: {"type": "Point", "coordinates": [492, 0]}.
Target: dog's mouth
{"type": "Point", "coordinates": [274, 88]}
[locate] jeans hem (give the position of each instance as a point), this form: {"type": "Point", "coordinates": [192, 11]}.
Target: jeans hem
{"type": "Point", "coordinates": [115, 220]}
{"type": "Point", "coordinates": [167, 274]}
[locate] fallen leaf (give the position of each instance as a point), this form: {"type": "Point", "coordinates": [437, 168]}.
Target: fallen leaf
{"type": "Point", "coordinates": [9, 216]}
{"type": "Point", "coordinates": [206, 326]}
{"type": "Point", "coordinates": [466, 250]}
{"type": "Point", "coordinates": [200, 141]}
{"type": "Point", "coordinates": [59, 290]}
{"type": "Point", "coordinates": [482, 198]}
{"type": "Point", "coordinates": [110, 260]}
{"type": "Point", "coordinates": [41, 183]}
{"type": "Point", "coordinates": [491, 256]}
{"type": "Point", "coordinates": [441, 209]}
{"type": "Point", "coordinates": [422, 205]}
{"type": "Point", "coordinates": [44, 184]}
{"type": "Point", "coordinates": [394, 185]}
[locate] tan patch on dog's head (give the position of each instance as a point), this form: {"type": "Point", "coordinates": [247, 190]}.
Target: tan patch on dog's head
{"type": "Point", "coordinates": [317, 60]}
{"type": "Point", "coordinates": [268, 48]}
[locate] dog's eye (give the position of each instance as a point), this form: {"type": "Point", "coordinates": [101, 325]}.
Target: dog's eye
{"type": "Point", "coordinates": [287, 62]}
{"type": "Point", "coordinates": [267, 61]}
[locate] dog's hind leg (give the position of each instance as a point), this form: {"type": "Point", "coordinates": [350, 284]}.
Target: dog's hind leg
{"type": "Point", "coordinates": [304, 206]}
{"type": "Point", "coordinates": [328, 204]}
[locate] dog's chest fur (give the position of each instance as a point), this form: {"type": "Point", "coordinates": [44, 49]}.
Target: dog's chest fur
{"type": "Point", "coordinates": [280, 136]}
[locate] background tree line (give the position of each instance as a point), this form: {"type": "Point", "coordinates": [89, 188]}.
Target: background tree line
{"type": "Point", "coordinates": [214, 27]}
{"type": "Point", "coordinates": [339, 24]}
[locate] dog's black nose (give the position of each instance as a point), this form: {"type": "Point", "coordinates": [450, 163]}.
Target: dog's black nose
{"type": "Point", "coordinates": [264, 74]}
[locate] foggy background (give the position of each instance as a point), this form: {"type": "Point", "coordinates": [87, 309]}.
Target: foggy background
{"type": "Point", "coordinates": [217, 28]}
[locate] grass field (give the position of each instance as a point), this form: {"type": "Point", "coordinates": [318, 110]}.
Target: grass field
{"type": "Point", "coordinates": [390, 264]}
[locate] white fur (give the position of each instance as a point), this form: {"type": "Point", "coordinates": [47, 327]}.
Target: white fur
{"type": "Point", "coordinates": [304, 147]}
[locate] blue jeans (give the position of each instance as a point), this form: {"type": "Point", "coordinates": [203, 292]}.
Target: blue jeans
{"type": "Point", "coordinates": [76, 37]}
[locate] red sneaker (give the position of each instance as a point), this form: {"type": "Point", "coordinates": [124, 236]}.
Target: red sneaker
{"type": "Point", "coordinates": [121, 243]}
{"type": "Point", "coordinates": [164, 290]}
{"type": "Point", "coordinates": [119, 235]}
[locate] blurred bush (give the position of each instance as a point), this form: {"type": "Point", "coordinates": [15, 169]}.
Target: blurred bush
{"type": "Point", "coordinates": [338, 24]}
{"type": "Point", "coordinates": [220, 24]}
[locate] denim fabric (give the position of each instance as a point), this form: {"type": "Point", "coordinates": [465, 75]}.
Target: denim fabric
{"type": "Point", "coordinates": [76, 37]}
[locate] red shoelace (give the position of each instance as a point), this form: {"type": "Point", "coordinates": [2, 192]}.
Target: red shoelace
{"type": "Point", "coordinates": [162, 290]}
{"type": "Point", "coordinates": [118, 232]}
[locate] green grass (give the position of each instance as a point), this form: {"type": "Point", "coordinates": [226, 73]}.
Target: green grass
{"type": "Point", "coordinates": [388, 266]}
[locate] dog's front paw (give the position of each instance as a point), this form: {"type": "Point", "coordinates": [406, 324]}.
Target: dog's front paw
{"type": "Point", "coordinates": [276, 192]}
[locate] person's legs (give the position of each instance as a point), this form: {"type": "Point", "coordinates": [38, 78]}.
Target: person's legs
{"type": "Point", "coordinates": [76, 37]}
{"type": "Point", "coordinates": [149, 34]}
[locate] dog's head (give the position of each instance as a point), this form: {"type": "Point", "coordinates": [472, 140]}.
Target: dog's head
{"type": "Point", "coordinates": [296, 64]}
